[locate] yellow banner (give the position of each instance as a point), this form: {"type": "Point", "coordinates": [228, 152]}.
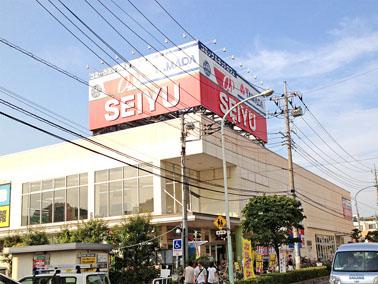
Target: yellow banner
{"type": "Point", "coordinates": [247, 260]}
{"type": "Point", "coordinates": [4, 216]}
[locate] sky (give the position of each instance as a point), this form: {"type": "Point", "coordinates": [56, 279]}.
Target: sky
{"type": "Point", "coordinates": [327, 51]}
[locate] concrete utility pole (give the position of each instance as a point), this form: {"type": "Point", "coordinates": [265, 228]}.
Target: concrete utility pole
{"type": "Point", "coordinates": [376, 187]}
{"type": "Point", "coordinates": [297, 252]}
{"type": "Point", "coordinates": [185, 194]}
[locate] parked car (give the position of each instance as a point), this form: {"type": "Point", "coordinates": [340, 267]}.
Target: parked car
{"type": "Point", "coordinates": [6, 280]}
{"type": "Point", "coordinates": [67, 278]}
{"type": "Point", "coordinates": [355, 263]}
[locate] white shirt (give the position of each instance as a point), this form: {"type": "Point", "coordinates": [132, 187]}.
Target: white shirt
{"type": "Point", "coordinates": [200, 274]}
{"type": "Point", "coordinates": [189, 274]}
{"type": "Point", "coordinates": [212, 275]}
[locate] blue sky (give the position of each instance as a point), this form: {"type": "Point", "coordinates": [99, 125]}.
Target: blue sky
{"type": "Point", "coordinates": [327, 50]}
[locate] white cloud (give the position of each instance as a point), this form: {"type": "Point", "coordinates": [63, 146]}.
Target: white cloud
{"type": "Point", "coordinates": [348, 109]}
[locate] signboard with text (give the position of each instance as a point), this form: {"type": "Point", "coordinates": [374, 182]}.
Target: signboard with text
{"type": "Point", "coordinates": [5, 192]}
{"type": "Point", "coordinates": [173, 79]}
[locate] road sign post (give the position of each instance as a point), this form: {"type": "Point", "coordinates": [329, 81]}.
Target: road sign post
{"type": "Point", "coordinates": [177, 247]}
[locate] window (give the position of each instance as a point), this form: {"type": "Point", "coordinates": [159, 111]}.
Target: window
{"type": "Point", "coordinates": [325, 246]}
{"type": "Point", "coordinates": [123, 190]}
{"type": "Point", "coordinates": [55, 200]}
{"type": "Point", "coordinates": [356, 261]}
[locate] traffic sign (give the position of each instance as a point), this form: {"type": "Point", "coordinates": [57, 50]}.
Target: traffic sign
{"type": "Point", "coordinates": [221, 232]}
{"type": "Point", "coordinates": [220, 222]}
{"type": "Point", "coordinates": [177, 247]}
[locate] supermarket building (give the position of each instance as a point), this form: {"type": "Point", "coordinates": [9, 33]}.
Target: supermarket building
{"type": "Point", "coordinates": [62, 184]}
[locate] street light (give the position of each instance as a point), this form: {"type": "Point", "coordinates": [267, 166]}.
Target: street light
{"type": "Point", "coordinates": [355, 203]}
{"type": "Point", "coordinates": [266, 93]}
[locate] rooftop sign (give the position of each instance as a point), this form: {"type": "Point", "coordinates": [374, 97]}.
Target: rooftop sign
{"type": "Point", "coordinates": [178, 78]}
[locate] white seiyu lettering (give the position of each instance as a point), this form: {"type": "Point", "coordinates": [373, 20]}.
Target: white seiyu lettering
{"type": "Point", "coordinates": [252, 121]}
{"type": "Point", "coordinates": [223, 102]}
{"type": "Point", "coordinates": [151, 99]}
{"type": "Point", "coordinates": [127, 106]}
{"type": "Point", "coordinates": [245, 115]}
{"type": "Point", "coordinates": [176, 96]}
{"type": "Point", "coordinates": [111, 107]}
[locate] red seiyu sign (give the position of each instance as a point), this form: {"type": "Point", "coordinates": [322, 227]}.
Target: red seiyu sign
{"type": "Point", "coordinates": [189, 77]}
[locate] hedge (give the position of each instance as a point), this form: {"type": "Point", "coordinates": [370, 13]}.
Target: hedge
{"type": "Point", "coordinates": [288, 277]}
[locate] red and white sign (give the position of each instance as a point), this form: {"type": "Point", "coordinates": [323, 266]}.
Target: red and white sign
{"type": "Point", "coordinates": [172, 80]}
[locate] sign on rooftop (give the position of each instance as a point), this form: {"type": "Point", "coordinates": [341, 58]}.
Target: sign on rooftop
{"type": "Point", "coordinates": [177, 78]}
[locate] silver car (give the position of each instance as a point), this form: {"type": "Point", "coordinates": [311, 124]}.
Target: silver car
{"type": "Point", "coordinates": [355, 263]}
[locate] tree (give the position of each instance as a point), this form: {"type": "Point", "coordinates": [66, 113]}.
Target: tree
{"type": "Point", "coordinates": [92, 231]}
{"type": "Point", "coordinates": [134, 242]}
{"type": "Point", "coordinates": [34, 238]}
{"type": "Point", "coordinates": [356, 235]}
{"type": "Point", "coordinates": [269, 218]}
{"type": "Point", "coordinates": [372, 236]}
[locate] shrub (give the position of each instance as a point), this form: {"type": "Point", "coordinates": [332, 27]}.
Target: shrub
{"type": "Point", "coordinates": [289, 277]}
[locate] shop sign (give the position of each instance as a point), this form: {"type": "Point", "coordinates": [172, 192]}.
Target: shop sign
{"type": "Point", "coordinates": [5, 190]}
{"type": "Point", "coordinates": [88, 258]}
{"type": "Point", "coordinates": [41, 261]}
{"type": "Point", "coordinates": [102, 260]}
{"type": "Point", "coordinates": [247, 260]}
{"type": "Point", "coordinates": [188, 76]}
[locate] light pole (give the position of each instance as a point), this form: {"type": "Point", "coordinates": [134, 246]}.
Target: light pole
{"type": "Point", "coordinates": [355, 204]}
{"type": "Point", "coordinates": [226, 202]}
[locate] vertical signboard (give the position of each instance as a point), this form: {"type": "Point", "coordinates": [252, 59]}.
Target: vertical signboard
{"type": "Point", "coordinates": [347, 209]}
{"type": "Point", "coordinates": [5, 193]}
{"type": "Point", "coordinates": [247, 260]}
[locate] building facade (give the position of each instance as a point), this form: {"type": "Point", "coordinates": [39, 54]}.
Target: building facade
{"type": "Point", "coordinates": [63, 184]}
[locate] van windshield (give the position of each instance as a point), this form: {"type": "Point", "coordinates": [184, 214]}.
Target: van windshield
{"type": "Point", "coordinates": [356, 261]}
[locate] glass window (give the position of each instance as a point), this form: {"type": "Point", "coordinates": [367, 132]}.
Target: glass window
{"type": "Point", "coordinates": [83, 211]}
{"type": "Point", "coordinates": [25, 188]}
{"type": "Point", "coordinates": [35, 186]}
{"type": "Point", "coordinates": [169, 198]}
{"type": "Point", "coordinates": [47, 206]}
{"type": "Point", "coordinates": [115, 198]}
{"type": "Point", "coordinates": [59, 182]}
{"type": "Point", "coordinates": [130, 172]}
{"type": "Point", "coordinates": [47, 184]}
{"type": "Point", "coordinates": [73, 180]}
{"type": "Point", "coordinates": [59, 205]}
{"type": "Point", "coordinates": [72, 203]}
{"type": "Point", "coordinates": [130, 196]}
{"type": "Point", "coordinates": [69, 280]}
{"type": "Point", "coordinates": [25, 209]}
{"type": "Point", "coordinates": [356, 261]}
{"type": "Point", "coordinates": [35, 208]}
{"type": "Point", "coordinates": [116, 174]}
{"type": "Point", "coordinates": [83, 179]}
{"type": "Point", "coordinates": [101, 176]}
{"type": "Point", "coordinates": [101, 200]}
{"type": "Point", "coordinates": [147, 168]}
{"type": "Point", "coordinates": [146, 196]}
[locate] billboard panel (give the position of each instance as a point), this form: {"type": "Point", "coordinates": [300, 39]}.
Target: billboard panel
{"type": "Point", "coordinates": [347, 209]}
{"type": "Point", "coordinates": [5, 191]}
{"type": "Point", "coordinates": [196, 76]}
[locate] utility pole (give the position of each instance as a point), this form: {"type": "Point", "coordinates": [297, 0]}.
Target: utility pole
{"type": "Point", "coordinates": [291, 173]}
{"type": "Point", "coordinates": [185, 194]}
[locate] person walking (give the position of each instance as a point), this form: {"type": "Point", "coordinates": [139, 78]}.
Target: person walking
{"type": "Point", "coordinates": [200, 274]}
{"type": "Point", "coordinates": [189, 273]}
{"type": "Point", "coordinates": [290, 263]}
{"type": "Point", "coordinates": [212, 274]}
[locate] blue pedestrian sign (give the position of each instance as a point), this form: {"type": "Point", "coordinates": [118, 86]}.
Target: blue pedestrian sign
{"type": "Point", "coordinates": [177, 247]}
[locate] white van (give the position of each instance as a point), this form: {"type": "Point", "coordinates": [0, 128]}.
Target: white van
{"type": "Point", "coordinates": [355, 263]}
{"type": "Point", "coordinates": [67, 278]}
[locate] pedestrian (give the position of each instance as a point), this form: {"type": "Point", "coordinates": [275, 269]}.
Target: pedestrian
{"type": "Point", "coordinates": [212, 274]}
{"type": "Point", "coordinates": [200, 274]}
{"type": "Point", "coordinates": [290, 263]}
{"type": "Point", "coordinates": [189, 273]}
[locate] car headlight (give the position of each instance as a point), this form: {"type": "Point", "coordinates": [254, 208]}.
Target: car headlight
{"type": "Point", "coordinates": [375, 280]}
{"type": "Point", "coordinates": [335, 280]}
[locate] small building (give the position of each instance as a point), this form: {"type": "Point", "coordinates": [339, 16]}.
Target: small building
{"type": "Point", "coordinates": [90, 255]}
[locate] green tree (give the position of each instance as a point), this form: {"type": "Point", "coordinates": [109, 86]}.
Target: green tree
{"type": "Point", "coordinates": [134, 241]}
{"type": "Point", "coordinates": [34, 238]}
{"type": "Point", "coordinates": [11, 241]}
{"type": "Point", "coordinates": [356, 235]}
{"type": "Point", "coordinates": [372, 236]}
{"type": "Point", "coordinates": [269, 218]}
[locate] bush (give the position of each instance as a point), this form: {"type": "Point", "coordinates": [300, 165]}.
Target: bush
{"type": "Point", "coordinates": [289, 277]}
